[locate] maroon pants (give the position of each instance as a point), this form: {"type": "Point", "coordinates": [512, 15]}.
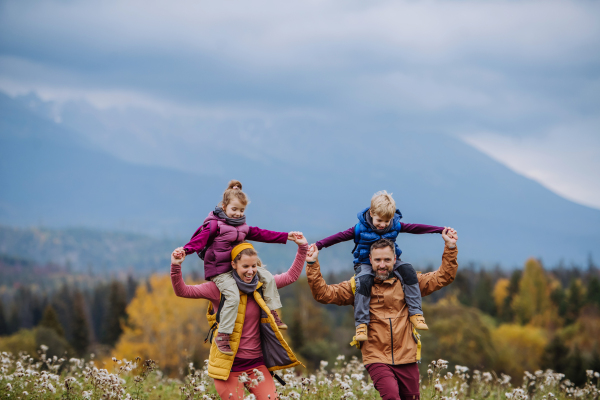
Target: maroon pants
{"type": "Point", "coordinates": [395, 382]}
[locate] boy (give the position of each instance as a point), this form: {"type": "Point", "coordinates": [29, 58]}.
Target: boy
{"type": "Point", "coordinates": [381, 220]}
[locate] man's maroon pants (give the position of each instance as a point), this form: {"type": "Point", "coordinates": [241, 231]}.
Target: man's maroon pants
{"type": "Point", "coordinates": [395, 382]}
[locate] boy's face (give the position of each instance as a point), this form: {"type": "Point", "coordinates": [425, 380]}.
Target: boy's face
{"type": "Point", "coordinates": [379, 222]}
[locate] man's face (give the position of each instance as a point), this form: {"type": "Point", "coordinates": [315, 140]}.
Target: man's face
{"type": "Point", "coordinates": [380, 222]}
{"type": "Point", "coordinates": [382, 261]}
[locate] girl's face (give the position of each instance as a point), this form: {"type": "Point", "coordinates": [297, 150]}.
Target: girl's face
{"type": "Point", "coordinates": [245, 267]}
{"type": "Point", "coordinates": [235, 209]}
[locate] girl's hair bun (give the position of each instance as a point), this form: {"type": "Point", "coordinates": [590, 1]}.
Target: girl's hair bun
{"type": "Point", "coordinates": [233, 184]}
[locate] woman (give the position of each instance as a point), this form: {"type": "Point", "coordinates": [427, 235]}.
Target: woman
{"type": "Point", "coordinates": [257, 344]}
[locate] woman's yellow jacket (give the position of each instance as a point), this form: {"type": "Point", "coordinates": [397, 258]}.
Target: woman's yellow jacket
{"type": "Point", "coordinates": [276, 352]}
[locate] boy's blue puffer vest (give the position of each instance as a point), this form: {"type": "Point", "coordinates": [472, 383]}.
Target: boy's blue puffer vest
{"type": "Point", "coordinates": [364, 237]}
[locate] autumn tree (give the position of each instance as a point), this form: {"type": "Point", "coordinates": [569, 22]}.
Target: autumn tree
{"type": "Point", "coordinates": [164, 327]}
{"type": "Point", "coordinates": [533, 298]}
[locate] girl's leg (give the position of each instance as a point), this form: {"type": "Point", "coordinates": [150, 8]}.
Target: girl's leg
{"type": "Point", "coordinates": [270, 292]}
{"type": "Point", "coordinates": [265, 390]}
{"type": "Point", "coordinates": [232, 388]}
{"type": "Point", "coordinates": [229, 289]}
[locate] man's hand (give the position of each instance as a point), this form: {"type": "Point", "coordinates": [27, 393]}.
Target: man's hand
{"type": "Point", "coordinates": [299, 238]}
{"type": "Point", "coordinates": [313, 253]}
{"type": "Point", "coordinates": [178, 256]}
{"type": "Point", "coordinates": [450, 237]}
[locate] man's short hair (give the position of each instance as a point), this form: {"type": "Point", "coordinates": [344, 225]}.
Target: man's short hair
{"type": "Point", "coordinates": [383, 243]}
{"type": "Point", "coordinates": [383, 205]}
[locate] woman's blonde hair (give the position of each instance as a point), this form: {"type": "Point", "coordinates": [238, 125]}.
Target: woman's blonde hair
{"type": "Point", "coordinates": [383, 205]}
{"type": "Point", "coordinates": [234, 191]}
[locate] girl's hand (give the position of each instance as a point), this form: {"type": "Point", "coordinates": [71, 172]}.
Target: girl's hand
{"type": "Point", "coordinates": [178, 256]}
{"type": "Point", "coordinates": [299, 239]}
{"type": "Point", "coordinates": [292, 235]}
{"type": "Point", "coordinates": [313, 253]}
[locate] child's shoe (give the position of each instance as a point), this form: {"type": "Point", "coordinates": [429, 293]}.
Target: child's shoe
{"type": "Point", "coordinates": [222, 341]}
{"type": "Point", "coordinates": [361, 333]}
{"type": "Point", "coordinates": [419, 322]}
{"type": "Point", "coordinates": [278, 320]}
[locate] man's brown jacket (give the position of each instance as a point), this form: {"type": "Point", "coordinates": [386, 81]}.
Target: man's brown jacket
{"type": "Point", "coordinates": [390, 339]}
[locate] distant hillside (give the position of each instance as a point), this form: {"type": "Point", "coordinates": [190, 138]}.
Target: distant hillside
{"type": "Point", "coordinates": [310, 177]}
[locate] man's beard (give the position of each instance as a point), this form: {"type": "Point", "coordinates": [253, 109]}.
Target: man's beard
{"type": "Point", "coordinates": [383, 277]}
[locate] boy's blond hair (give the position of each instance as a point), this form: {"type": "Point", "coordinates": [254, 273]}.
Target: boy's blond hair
{"type": "Point", "coordinates": [383, 205]}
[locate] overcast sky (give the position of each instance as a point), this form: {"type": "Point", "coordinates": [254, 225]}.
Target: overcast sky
{"type": "Point", "coordinates": [518, 80]}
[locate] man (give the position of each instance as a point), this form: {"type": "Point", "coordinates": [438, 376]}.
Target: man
{"type": "Point", "coordinates": [390, 352]}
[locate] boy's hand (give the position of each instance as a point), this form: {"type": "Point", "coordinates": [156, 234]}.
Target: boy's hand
{"type": "Point", "coordinates": [450, 237]}
{"type": "Point", "coordinates": [178, 256]}
{"type": "Point", "coordinates": [313, 253]}
{"type": "Point", "coordinates": [299, 239]}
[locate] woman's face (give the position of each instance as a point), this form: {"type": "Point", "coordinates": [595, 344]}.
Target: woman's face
{"type": "Point", "coordinates": [246, 267]}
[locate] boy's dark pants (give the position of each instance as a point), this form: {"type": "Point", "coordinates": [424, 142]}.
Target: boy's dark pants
{"type": "Point", "coordinates": [364, 282]}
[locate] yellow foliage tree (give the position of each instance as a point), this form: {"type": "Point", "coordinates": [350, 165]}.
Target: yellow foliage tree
{"type": "Point", "coordinates": [519, 349]}
{"type": "Point", "coordinates": [500, 293]}
{"type": "Point", "coordinates": [533, 298]}
{"type": "Point", "coordinates": [164, 327]}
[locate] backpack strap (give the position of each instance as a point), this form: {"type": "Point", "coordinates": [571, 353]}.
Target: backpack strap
{"type": "Point", "coordinates": [213, 231]}
{"type": "Point", "coordinates": [356, 237]}
{"type": "Point", "coordinates": [211, 330]}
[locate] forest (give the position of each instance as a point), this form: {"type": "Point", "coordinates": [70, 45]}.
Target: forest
{"type": "Point", "coordinates": [509, 322]}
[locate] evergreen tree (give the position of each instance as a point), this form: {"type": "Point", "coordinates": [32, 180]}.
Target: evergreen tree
{"type": "Point", "coordinates": [50, 320]}
{"type": "Point", "coordinates": [593, 291]}
{"type": "Point", "coordinates": [132, 285]}
{"type": "Point", "coordinates": [483, 294]}
{"type": "Point", "coordinates": [81, 328]}
{"type": "Point", "coordinates": [3, 323]}
{"type": "Point", "coordinates": [98, 310]}
{"type": "Point", "coordinates": [595, 361]}
{"type": "Point", "coordinates": [555, 355]}
{"type": "Point", "coordinates": [575, 301]}
{"type": "Point", "coordinates": [115, 313]}
{"type": "Point", "coordinates": [575, 370]}
{"type": "Point", "coordinates": [559, 298]}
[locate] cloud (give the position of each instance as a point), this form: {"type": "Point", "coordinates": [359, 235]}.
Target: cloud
{"type": "Point", "coordinates": [523, 70]}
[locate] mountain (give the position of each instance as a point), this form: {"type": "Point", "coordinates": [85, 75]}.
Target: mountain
{"type": "Point", "coordinates": [301, 174]}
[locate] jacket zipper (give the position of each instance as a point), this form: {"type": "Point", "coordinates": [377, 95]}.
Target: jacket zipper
{"type": "Point", "coordinates": [392, 336]}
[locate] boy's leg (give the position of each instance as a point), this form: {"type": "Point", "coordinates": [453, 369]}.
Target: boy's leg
{"type": "Point", "coordinates": [228, 288]}
{"type": "Point", "coordinates": [270, 292]}
{"type": "Point", "coordinates": [412, 293]}
{"type": "Point", "coordinates": [362, 297]}
{"type": "Point", "coordinates": [271, 295]}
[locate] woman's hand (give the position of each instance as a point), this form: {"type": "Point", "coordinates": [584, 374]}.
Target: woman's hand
{"type": "Point", "coordinates": [177, 256]}
{"type": "Point", "coordinates": [292, 235]}
{"type": "Point", "coordinates": [450, 237]}
{"type": "Point", "coordinates": [299, 239]}
{"type": "Point", "coordinates": [313, 253]}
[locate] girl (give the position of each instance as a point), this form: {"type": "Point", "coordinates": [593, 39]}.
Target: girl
{"type": "Point", "coordinates": [224, 228]}
{"type": "Point", "coordinates": [257, 344]}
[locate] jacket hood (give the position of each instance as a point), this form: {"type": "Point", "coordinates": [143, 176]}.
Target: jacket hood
{"type": "Point", "coordinates": [362, 216]}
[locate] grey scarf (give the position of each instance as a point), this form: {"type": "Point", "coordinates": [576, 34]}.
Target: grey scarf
{"type": "Point", "coordinates": [243, 286]}
{"type": "Point", "coordinates": [230, 221]}
{"type": "Point", "coordinates": [369, 220]}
